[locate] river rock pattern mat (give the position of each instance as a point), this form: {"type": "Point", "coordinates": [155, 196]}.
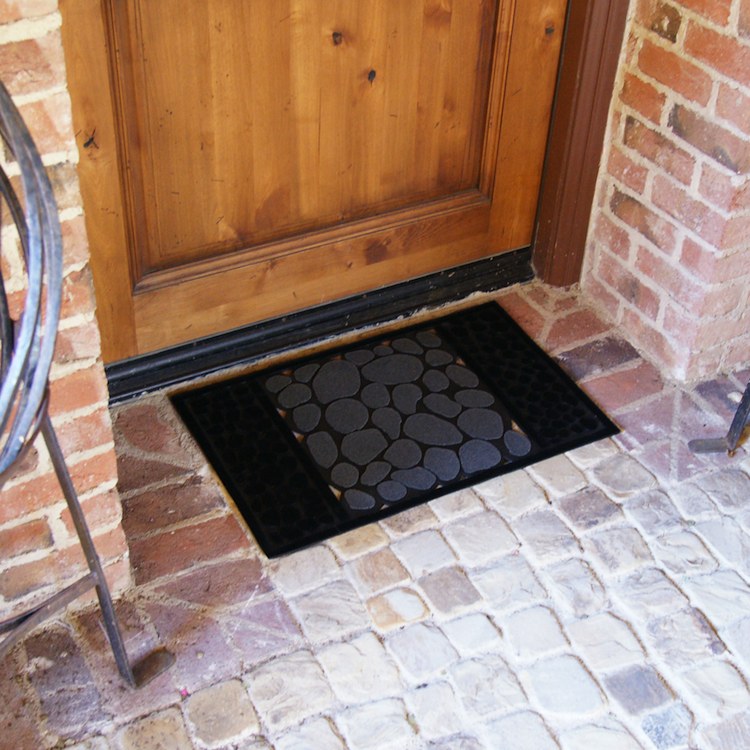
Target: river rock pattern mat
{"type": "Point", "coordinates": [322, 445]}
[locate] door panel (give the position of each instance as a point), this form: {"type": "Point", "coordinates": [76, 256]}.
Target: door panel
{"type": "Point", "coordinates": [258, 158]}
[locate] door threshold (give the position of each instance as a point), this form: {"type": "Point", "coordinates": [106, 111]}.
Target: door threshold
{"type": "Point", "coordinates": [143, 374]}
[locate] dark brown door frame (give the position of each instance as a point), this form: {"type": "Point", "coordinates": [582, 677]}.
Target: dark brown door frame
{"type": "Point", "coordinates": [591, 52]}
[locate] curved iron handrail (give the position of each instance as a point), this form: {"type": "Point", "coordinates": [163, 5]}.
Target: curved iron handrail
{"type": "Point", "coordinates": [28, 344]}
{"type": "Point", "coordinates": [26, 350]}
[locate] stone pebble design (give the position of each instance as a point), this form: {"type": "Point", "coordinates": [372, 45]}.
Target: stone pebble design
{"type": "Point", "coordinates": [392, 419]}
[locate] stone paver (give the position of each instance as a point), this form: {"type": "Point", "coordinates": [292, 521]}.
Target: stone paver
{"type": "Point", "coordinates": [221, 713]}
{"type": "Point", "coordinates": [377, 725]}
{"type": "Point", "coordinates": [289, 689]}
{"type": "Point", "coordinates": [562, 685]}
{"type": "Point", "coordinates": [599, 599]}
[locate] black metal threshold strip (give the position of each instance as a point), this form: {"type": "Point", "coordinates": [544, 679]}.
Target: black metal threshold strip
{"type": "Point", "coordinates": [149, 372]}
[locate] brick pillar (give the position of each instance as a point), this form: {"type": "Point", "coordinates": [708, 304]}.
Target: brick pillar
{"type": "Point", "coordinates": [39, 552]}
{"type": "Point", "coordinates": [668, 253]}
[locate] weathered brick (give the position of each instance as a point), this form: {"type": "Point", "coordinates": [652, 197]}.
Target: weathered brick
{"type": "Point", "coordinates": [101, 510]}
{"type": "Point", "coordinates": [712, 265]}
{"type": "Point", "coordinates": [714, 10]}
{"type": "Point", "coordinates": [77, 294]}
{"type": "Point", "coordinates": [27, 537]}
{"type": "Point", "coordinates": [642, 97]}
{"type": "Point", "coordinates": [628, 286]}
{"type": "Point", "coordinates": [614, 237]}
{"type": "Point", "coordinates": [77, 390]}
{"type": "Point", "coordinates": [674, 71]}
{"type": "Point", "coordinates": [32, 65]}
{"type": "Point", "coordinates": [721, 189]}
{"type": "Point", "coordinates": [734, 105]}
{"type": "Point", "coordinates": [85, 432]}
{"type": "Point", "coordinates": [744, 18]}
{"type": "Point", "coordinates": [719, 51]}
{"type": "Point", "coordinates": [573, 328]}
{"type": "Point", "coordinates": [159, 555]}
{"type": "Point", "coordinates": [659, 150]}
{"type": "Point", "coordinates": [682, 287]}
{"type": "Point", "coordinates": [29, 496]}
{"type": "Point", "coordinates": [636, 214]}
{"type": "Point", "coordinates": [49, 121]}
{"type": "Point", "coordinates": [20, 580]}
{"type": "Point", "coordinates": [15, 10]}
{"type": "Point", "coordinates": [724, 147]}
{"type": "Point", "coordinates": [691, 213]}
{"type": "Point", "coordinates": [78, 343]}
{"type": "Point", "coordinates": [624, 169]}
{"type": "Point", "coordinates": [661, 18]}
{"type": "Point", "coordinates": [75, 242]}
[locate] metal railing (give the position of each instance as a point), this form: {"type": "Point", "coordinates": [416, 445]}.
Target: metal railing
{"type": "Point", "coordinates": [27, 347]}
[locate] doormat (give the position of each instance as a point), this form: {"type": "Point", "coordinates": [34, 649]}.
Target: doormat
{"type": "Point", "coordinates": [325, 444]}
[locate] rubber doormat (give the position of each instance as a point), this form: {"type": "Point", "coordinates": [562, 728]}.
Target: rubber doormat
{"type": "Point", "coordinates": [322, 445]}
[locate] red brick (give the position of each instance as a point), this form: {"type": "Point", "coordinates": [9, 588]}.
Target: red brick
{"type": "Point", "coordinates": [75, 241]}
{"type": "Point", "coordinates": [28, 537]}
{"type": "Point", "coordinates": [675, 72]}
{"type": "Point", "coordinates": [661, 18]}
{"type": "Point", "coordinates": [573, 328]}
{"type": "Point", "coordinates": [734, 105]}
{"type": "Point", "coordinates": [721, 330]}
{"type": "Point", "coordinates": [691, 213]}
{"type": "Point", "coordinates": [155, 510]}
{"type": "Point", "coordinates": [162, 554]}
{"type": "Point", "coordinates": [144, 428]}
{"type": "Point", "coordinates": [23, 579]}
{"type": "Point", "coordinates": [624, 169]}
{"type": "Point", "coordinates": [79, 343]}
{"type": "Point", "coordinates": [712, 265]}
{"type": "Point", "coordinates": [49, 122]}
{"type": "Point", "coordinates": [681, 287]}
{"type": "Point", "coordinates": [744, 19]}
{"type": "Point", "coordinates": [100, 510]}
{"type": "Point", "coordinates": [29, 496]}
{"type": "Point", "coordinates": [713, 140]}
{"type": "Point", "coordinates": [32, 65]}
{"type": "Point", "coordinates": [645, 221]}
{"type": "Point", "coordinates": [719, 51]}
{"type": "Point", "coordinates": [719, 188]}
{"type": "Point", "coordinates": [15, 10]}
{"type": "Point", "coordinates": [64, 179]}
{"type": "Point", "coordinates": [736, 233]}
{"type": "Point", "coordinates": [109, 546]}
{"type": "Point", "coordinates": [77, 294]}
{"type": "Point", "coordinates": [714, 10]}
{"type": "Point", "coordinates": [26, 463]}
{"type": "Point", "coordinates": [630, 288]}
{"type": "Point", "coordinates": [85, 433]}
{"type": "Point", "coordinates": [659, 150]}
{"type": "Point", "coordinates": [617, 390]}
{"type": "Point", "coordinates": [615, 238]}
{"type": "Point", "coordinates": [602, 297]}
{"type": "Point", "coordinates": [737, 354]}
{"type": "Point", "coordinates": [653, 343]}
{"type": "Point", "coordinates": [78, 389]}
{"type": "Point", "coordinates": [93, 472]}
{"type": "Point", "coordinates": [643, 98]}
{"type": "Point", "coordinates": [719, 301]}
{"type": "Point", "coordinates": [135, 472]}
{"type": "Point", "coordinates": [530, 319]}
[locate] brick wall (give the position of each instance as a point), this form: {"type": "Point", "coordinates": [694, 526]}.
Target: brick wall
{"type": "Point", "coordinates": [668, 256]}
{"type": "Point", "coordinates": [38, 547]}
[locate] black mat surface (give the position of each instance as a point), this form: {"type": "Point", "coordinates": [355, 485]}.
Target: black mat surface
{"type": "Point", "coordinates": [322, 445]}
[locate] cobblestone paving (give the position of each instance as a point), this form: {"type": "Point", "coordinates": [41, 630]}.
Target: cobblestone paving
{"type": "Point", "coordinates": [598, 600]}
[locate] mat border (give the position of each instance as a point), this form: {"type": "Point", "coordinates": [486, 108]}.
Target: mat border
{"type": "Point", "coordinates": [353, 519]}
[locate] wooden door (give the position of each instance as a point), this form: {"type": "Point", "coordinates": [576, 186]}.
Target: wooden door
{"type": "Point", "coordinates": [244, 159]}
